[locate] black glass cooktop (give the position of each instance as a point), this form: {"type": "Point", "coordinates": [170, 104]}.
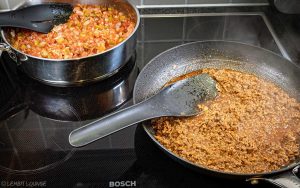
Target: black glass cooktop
{"type": "Point", "coordinates": [35, 119]}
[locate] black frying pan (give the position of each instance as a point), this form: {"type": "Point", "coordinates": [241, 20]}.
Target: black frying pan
{"type": "Point", "coordinates": [220, 54]}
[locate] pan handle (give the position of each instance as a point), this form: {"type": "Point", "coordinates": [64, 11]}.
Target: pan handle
{"type": "Point", "coordinates": [6, 48]}
{"type": "Point", "coordinates": [285, 180]}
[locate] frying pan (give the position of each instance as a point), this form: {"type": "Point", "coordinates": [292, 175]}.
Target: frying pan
{"type": "Point", "coordinates": [77, 71]}
{"type": "Point", "coordinates": [221, 54]}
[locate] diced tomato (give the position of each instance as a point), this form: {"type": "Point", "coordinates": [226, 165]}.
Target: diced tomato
{"type": "Point", "coordinates": [91, 29]}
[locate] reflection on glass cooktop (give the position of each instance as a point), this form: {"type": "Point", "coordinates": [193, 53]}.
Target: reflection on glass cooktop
{"type": "Point", "coordinates": [34, 130]}
{"type": "Point", "coordinates": [35, 119]}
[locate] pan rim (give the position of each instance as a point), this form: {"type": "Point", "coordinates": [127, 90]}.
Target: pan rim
{"type": "Point", "coordinates": [137, 14]}
{"type": "Point", "coordinates": [144, 124]}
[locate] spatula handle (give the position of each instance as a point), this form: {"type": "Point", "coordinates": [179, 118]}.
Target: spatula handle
{"type": "Point", "coordinates": [41, 17]}
{"type": "Point", "coordinates": [113, 122]}
{"type": "Point", "coordinates": [11, 18]}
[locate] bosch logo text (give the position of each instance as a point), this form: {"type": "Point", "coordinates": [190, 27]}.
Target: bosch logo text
{"type": "Point", "coordinates": [122, 184]}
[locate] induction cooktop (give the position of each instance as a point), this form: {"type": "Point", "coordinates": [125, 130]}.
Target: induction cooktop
{"type": "Point", "coordinates": [35, 119]}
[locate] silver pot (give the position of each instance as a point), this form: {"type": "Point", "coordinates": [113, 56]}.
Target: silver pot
{"type": "Point", "coordinates": [79, 71]}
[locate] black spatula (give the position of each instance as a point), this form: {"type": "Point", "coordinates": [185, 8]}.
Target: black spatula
{"type": "Point", "coordinates": [179, 99]}
{"type": "Point", "coordinates": [41, 18]}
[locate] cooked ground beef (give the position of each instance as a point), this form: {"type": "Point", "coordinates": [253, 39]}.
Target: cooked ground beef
{"type": "Point", "coordinates": [253, 126]}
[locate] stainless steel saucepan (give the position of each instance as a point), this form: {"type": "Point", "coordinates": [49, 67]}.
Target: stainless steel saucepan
{"type": "Point", "coordinates": [77, 71]}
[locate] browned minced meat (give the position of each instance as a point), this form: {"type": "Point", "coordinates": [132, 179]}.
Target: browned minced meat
{"type": "Point", "coordinates": [253, 126]}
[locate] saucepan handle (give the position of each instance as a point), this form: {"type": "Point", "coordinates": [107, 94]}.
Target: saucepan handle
{"type": "Point", "coordinates": [285, 180]}
{"type": "Point", "coordinates": [6, 48]}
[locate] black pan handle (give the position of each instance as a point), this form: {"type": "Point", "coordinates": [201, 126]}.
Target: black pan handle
{"type": "Point", "coordinates": [285, 180]}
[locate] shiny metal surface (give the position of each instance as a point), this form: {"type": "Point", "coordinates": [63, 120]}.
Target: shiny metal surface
{"type": "Point", "coordinates": [285, 180]}
{"type": "Point", "coordinates": [81, 70]}
{"type": "Point", "coordinates": [215, 54]}
{"type": "Point", "coordinates": [6, 48]}
{"type": "Point", "coordinates": [89, 102]}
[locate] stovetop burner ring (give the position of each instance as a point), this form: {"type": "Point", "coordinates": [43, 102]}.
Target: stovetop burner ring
{"type": "Point", "coordinates": [33, 144]}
